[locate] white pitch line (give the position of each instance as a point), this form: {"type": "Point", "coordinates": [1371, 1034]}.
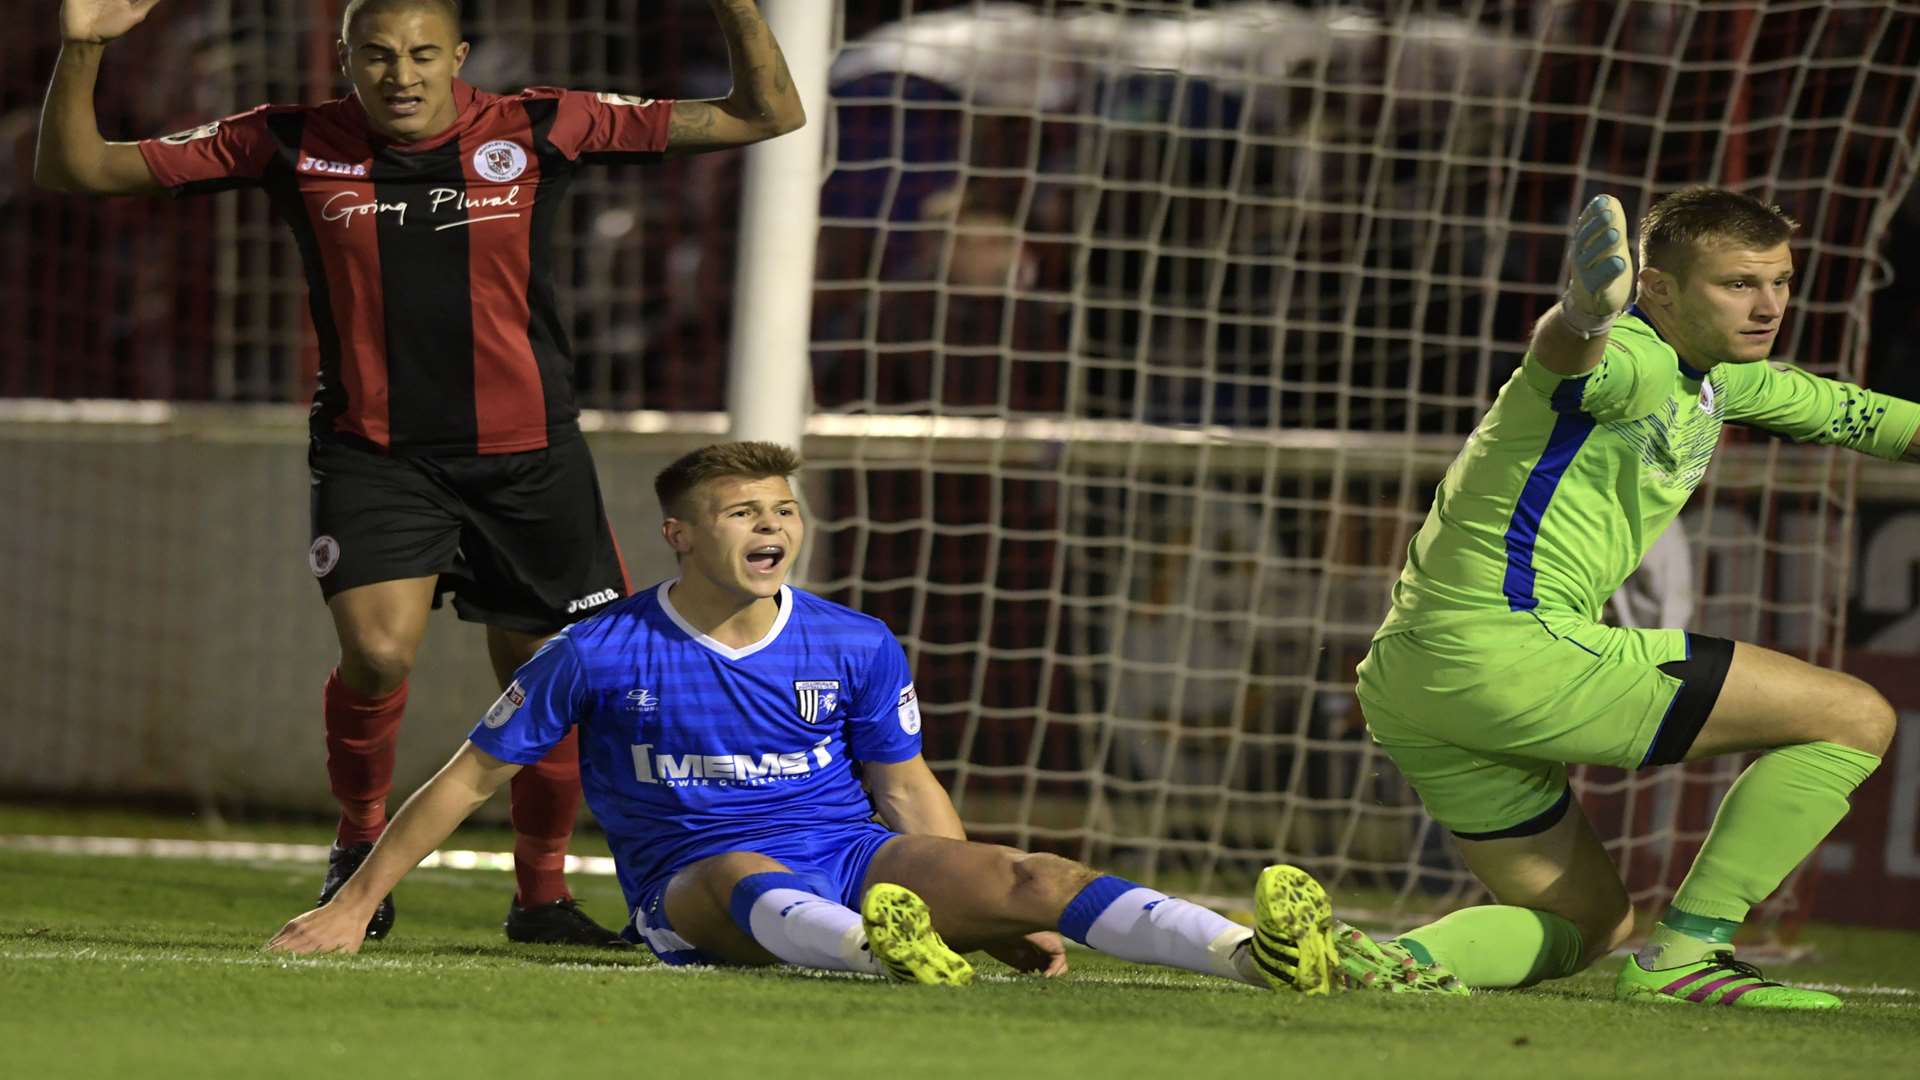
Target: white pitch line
{"type": "Point", "coordinates": [252, 851]}
{"type": "Point", "coordinates": [1871, 990]}
{"type": "Point", "coordinates": [591, 865]}
{"type": "Point", "coordinates": [265, 959]}
{"type": "Point", "coordinates": [364, 961]}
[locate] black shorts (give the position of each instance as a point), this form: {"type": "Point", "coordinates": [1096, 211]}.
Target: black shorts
{"type": "Point", "coordinates": [521, 540]}
{"type": "Point", "coordinates": [1702, 675]}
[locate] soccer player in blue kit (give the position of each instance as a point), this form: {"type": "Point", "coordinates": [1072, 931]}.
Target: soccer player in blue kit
{"type": "Point", "coordinates": [738, 737]}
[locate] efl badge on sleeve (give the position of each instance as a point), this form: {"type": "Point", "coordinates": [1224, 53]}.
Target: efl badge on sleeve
{"type": "Point", "coordinates": [909, 710]}
{"type": "Point", "coordinates": [624, 99]}
{"type": "Point", "coordinates": [182, 138]}
{"type": "Point", "coordinates": [817, 698]}
{"type": "Point", "coordinates": [508, 704]}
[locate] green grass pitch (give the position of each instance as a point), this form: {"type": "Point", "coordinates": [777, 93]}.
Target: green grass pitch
{"type": "Point", "coordinates": [131, 967]}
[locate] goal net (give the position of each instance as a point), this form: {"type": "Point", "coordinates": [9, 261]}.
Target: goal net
{"type": "Point", "coordinates": [1142, 331]}
{"type": "Point", "coordinates": [1154, 323]}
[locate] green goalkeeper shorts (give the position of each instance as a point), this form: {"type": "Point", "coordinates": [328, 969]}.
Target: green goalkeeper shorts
{"type": "Point", "coordinates": [1484, 717]}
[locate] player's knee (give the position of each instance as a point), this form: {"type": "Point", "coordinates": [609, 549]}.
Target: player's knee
{"type": "Point", "coordinates": [1043, 884]}
{"type": "Point", "coordinates": [718, 874]}
{"type": "Point", "coordinates": [1879, 720]}
{"type": "Point", "coordinates": [1862, 719]}
{"type": "Point", "coordinates": [375, 666]}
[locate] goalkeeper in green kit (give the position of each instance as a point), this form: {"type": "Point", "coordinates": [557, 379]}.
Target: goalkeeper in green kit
{"type": "Point", "coordinates": [1493, 672]}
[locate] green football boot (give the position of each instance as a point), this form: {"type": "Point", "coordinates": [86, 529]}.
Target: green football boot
{"type": "Point", "coordinates": [900, 933]}
{"type": "Point", "coordinates": [1717, 980]}
{"type": "Point", "coordinates": [1292, 943]}
{"type": "Point", "coordinates": [1366, 964]}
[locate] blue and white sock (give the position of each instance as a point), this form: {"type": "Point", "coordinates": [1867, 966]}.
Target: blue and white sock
{"type": "Point", "coordinates": [1133, 922]}
{"type": "Point", "coordinates": [798, 925]}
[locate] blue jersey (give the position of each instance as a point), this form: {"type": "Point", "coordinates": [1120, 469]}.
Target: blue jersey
{"type": "Point", "coordinates": [690, 748]}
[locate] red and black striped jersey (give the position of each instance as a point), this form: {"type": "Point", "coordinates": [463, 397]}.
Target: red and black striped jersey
{"type": "Point", "coordinates": [429, 263]}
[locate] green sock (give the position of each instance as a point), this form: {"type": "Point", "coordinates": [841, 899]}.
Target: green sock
{"type": "Point", "coordinates": [1772, 818]}
{"type": "Point", "coordinates": [1774, 815]}
{"type": "Point", "coordinates": [1497, 946]}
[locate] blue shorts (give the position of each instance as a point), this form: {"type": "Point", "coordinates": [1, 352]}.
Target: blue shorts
{"type": "Point", "coordinates": [832, 860]}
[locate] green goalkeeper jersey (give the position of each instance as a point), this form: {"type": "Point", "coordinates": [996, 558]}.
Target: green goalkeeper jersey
{"type": "Point", "coordinates": [1565, 483]}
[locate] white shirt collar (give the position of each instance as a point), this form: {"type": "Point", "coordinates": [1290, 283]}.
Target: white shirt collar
{"type": "Point", "coordinates": [728, 651]}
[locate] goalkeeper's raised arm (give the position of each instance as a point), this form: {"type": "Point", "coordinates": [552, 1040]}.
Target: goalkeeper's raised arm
{"type": "Point", "coordinates": [764, 102]}
{"type": "Point", "coordinates": [1571, 338]}
{"type": "Point", "coordinates": [72, 155]}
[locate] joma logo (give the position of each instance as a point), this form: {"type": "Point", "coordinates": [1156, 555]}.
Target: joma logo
{"type": "Point", "coordinates": [592, 600]}
{"type": "Point", "coordinates": [330, 168]}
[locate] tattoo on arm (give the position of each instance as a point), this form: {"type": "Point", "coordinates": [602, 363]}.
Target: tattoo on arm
{"type": "Point", "coordinates": [691, 125]}
{"type": "Point", "coordinates": [764, 101]}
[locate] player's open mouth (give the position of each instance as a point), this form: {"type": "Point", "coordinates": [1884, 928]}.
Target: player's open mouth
{"type": "Point", "coordinates": [403, 104]}
{"type": "Point", "coordinates": [765, 559]}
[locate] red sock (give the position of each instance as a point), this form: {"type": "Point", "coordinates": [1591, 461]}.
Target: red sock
{"type": "Point", "coordinates": [361, 733]}
{"type": "Point", "coordinates": [544, 798]}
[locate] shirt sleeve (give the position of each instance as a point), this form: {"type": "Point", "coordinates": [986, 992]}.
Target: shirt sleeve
{"type": "Point", "coordinates": [1635, 375]}
{"type": "Point", "coordinates": [547, 697]}
{"type": "Point", "coordinates": [1811, 408]}
{"type": "Point", "coordinates": [609, 127]}
{"type": "Point", "coordinates": [884, 723]}
{"type": "Point", "coordinates": [219, 156]}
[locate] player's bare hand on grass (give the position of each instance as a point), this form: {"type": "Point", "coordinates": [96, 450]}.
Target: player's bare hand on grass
{"type": "Point", "coordinates": [100, 21]}
{"type": "Point", "coordinates": [1601, 285]}
{"type": "Point", "coordinates": [329, 928]}
{"type": "Point", "coordinates": [1042, 953]}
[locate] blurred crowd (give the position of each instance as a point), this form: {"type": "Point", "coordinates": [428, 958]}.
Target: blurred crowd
{"type": "Point", "coordinates": [1249, 213]}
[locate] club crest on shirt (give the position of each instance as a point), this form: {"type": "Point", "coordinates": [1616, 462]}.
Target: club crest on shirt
{"type": "Point", "coordinates": [817, 698]}
{"type": "Point", "coordinates": [623, 99]}
{"type": "Point", "coordinates": [181, 138]}
{"type": "Point", "coordinates": [508, 704]}
{"type": "Point", "coordinates": [1706, 396]}
{"type": "Point", "coordinates": [500, 160]}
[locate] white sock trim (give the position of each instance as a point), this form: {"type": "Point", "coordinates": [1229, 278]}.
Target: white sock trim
{"type": "Point", "coordinates": [809, 930]}
{"type": "Point", "coordinates": [1150, 927]}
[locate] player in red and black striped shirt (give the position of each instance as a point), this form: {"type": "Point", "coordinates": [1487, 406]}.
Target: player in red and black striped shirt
{"type": "Point", "coordinates": [446, 452]}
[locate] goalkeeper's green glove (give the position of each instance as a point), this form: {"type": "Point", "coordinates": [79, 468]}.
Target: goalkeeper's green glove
{"type": "Point", "coordinates": [1602, 283]}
